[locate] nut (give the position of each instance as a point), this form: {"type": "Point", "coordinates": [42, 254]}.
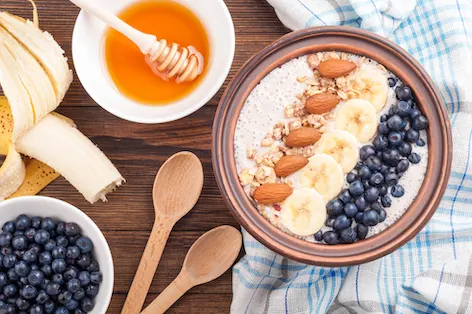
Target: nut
{"type": "Point", "coordinates": [321, 103]}
{"type": "Point", "coordinates": [336, 68]}
{"type": "Point", "coordinates": [272, 193]}
{"type": "Point", "coordinates": [302, 137]}
{"type": "Point", "coordinates": [289, 164]}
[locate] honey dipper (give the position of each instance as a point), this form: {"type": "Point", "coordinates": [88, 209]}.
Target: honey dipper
{"type": "Point", "coordinates": [166, 61]}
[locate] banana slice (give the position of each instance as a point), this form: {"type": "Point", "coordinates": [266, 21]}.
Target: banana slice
{"type": "Point", "coordinates": [342, 146]}
{"type": "Point", "coordinates": [323, 174]}
{"type": "Point", "coordinates": [303, 212]}
{"type": "Point", "coordinates": [358, 117]}
{"type": "Point", "coordinates": [372, 85]}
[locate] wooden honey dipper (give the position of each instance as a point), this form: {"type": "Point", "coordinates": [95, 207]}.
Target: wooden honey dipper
{"type": "Point", "coordinates": [166, 61]}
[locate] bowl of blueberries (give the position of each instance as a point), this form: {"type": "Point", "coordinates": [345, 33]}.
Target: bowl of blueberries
{"type": "Point", "coordinates": [53, 259]}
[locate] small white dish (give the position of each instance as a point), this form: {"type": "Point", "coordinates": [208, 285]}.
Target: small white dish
{"type": "Point", "coordinates": [89, 62]}
{"type": "Point", "coordinates": [50, 207]}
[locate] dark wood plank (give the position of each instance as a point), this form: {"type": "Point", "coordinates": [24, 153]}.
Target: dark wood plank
{"type": "Point", "coordinates": [139, 150]}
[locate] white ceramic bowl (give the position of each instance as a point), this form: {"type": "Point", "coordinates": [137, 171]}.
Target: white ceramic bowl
{"type": "Point", "coordinates": [51, 207]}
{"type": "Point", "coordinates": [88, 55]}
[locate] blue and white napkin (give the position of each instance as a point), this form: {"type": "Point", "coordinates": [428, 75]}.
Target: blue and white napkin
{"type": "Point", "coordinates": [433, 272]}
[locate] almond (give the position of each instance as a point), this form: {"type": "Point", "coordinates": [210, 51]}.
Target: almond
{"type": "Point", "coordinates": [289, 164]}
{"type": "Point", "coordinates": [335, 68]}
{"type": "Point", "coordinates": [321, 103]}
{"type": "Point", "coordinates": [272, 193]}
{"type": "Point", "coordinates": [302, 137]}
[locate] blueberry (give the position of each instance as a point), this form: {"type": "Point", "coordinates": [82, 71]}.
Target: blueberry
{"type": "Point", "coordinates": [62, 241]}
{"type": "Point", "coordinates": [9, 261]}
{"type": "Point", "coordinates": [345, 196]}
{"type": "Point", "coordinates": [72, 305]}
{"type": "Point", "coordinates": [364, 173]}
{"type": "Point", "coordinates": [71, 273]}
{"type": "Point", "coordinates": [414, 158]}
{"type": "Point", "coordinates": [419, 123]}
{"type": "Point", "coordinates": [85, 244]}
{"type": "Point", "coordinates": [362, 231]}
{"type": "Point", "coordinates": [351, 177]}
{"type": "Point", "coordinates": [45, 258]}
{"type": "Point", "coordinates": [36, 222]}
{"type": "Point", "coordinates": [420, 142]}
{"type": "Point", "coordinates": [59, 266]}
{"type": "Point", "coordinates": [405, 149]}
{"type": "Point", "coordinates": [10, 290]}
{"type": "Point", "coordinates": [61, 310]}
{"type": "Point", "coordinates": [19, 243]}
{"type": "Point", "coordinates": [395, 123]}
{"type": "Point", "coordinates": [29, 234]}
{"type": "Point", "coordinates": [35, 247]}
{"type": "Point", "coordinates": [386, 201]}
{"type": "Point", "coordinates": [329, 237]}
{"type": "Point", "coordinates": [391, 178]}
{"type": "Point", "coordinates": [383, 128]}
{"type": "Point", "coordinates": [22, 268]}
{"type": "Point", "coordinates": [374, 163]}
{"type": "Point", "coordinates": [380, 142]}
{"type": "Point", "coordinates": [342, 222]}
{"type": "Point", "coordinates": [371, 218]}
{"type": "Point", "coordinates": [376, 179]}
{"type": "Point", "coordinates": [80, 294]}
{"type": "Point", "coordinates": [72, 252]}
{"type": "Point", "coordinates": [47, 270]}
{"type": "Point", "coordinates": [366, 151]}
{"type": "Point", "coordinates": [403, 166]}
{"type": "Point", "coordinates": [61, 228]}
{"type": "Point", "coordinates": [72, 229]}
{"type": "Point", "coordinates": [361, 203]}
{"type": "Point", "coordinates": [382, 215]}
{"type": "Point", "coordinates": [12, 275]}
{"type": "Point", "coordinates": [356, 188]}
{"type": "Point", "coordinates": [383, 118]}
{"type": "Point", "coordinates": [359, 217]}
{"type": "Point", "coordinates": [403, 93]}
{"type": "Point", "coordinates": [371, 195]}
{"type": "Point", "coordinates": [9, 227]}
{"type": "Point", "coordinates": [3, 280]}
{"type": "Point", "coordinates": [349, 235]}
{"type": "Point", "coordinates": [391, 111]}
{"type": "Point", "coordinates": [22, 222]}
{"type": "Point", "coordinates": [22, 304]}
{"type": "Point", "coordinates": [5, 239]}
{"type": "Point", "coordinates": [36, 309]}
{"type": "Point", "coordinates": [58, 278]}
{"type": "Point", "coordinates": [8, 309]}
{"type": "Point", "coordinates": [91, 290]}
{"type": "Point", "coordinates": [48, 224]}
{"type": "Point", "coordinates": [50, 245]}
{"type": "Point", "coordinates": [7, 251]}
{"type": "Point", "coordinates": [29, 292]}
{"type": "Point", "coordinates": [49, 307]}
{"type": "Point", "coordinates": [391, 157]}
{"type": "Point", "coordinates": [84, 278]}
{"type": "Point", "coordinates": [350, 209]}
{"type": "Point", "coordinates": [383, 190]}
{"type": "Point", "coordinates": [392, 82]}
{"type": "Point", "coordinates": [318, 237]}
{"type": "Point", "coordinates": [412, 135]}
{"type": "Point", "coordinates": [53, 289]}
{"type": "Point", "coordinates": [59, 252]}
{"type": "Point", "coordinates": [329, 222]}
{"type": "Point", "coordinates": [41, 236]}
{"type": "Point", "coordinates": [73, 239]}
{"type": "Point", "coordinates": [366, 184]}
{"type": "Point", "coordinates": [64, 297]}
{"type": "Point", "coordinates": [335, 207]}
{"type": "Point", "coordinates": [394, 139]}
{"type": "Point", "coordinates": [397, 190]}
{"type": "Point", "coordinates": [42, 297]}
{"type": "Point", "coordinates": [403, 109]}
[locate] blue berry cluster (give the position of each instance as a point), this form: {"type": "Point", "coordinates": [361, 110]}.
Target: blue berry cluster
{"type": "Point", "coordinates": [375, 178]}
{"type": "Point", "coordinates": [46, 266]}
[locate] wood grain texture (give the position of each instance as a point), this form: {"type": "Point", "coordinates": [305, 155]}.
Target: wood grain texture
{"type": "Point", "coordinates": [139, 150]}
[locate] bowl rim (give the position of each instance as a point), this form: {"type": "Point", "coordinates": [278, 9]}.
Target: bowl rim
{"type": "Point", "coordinates": [395, 59]}
{"type": "Point", "coordinates": [80, 65]}
{"type": "Point", "coordinates": [101, 238]}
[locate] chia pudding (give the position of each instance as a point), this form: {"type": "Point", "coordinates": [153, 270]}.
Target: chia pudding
{"type": "Point", "coordinates": [331, 147]}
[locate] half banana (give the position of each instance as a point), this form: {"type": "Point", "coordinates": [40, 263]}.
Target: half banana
{"type": "Point", "coordinates": [323, 174]}
{"type": "Point", "coordinates": [358, 117]}
{"type": "Point", "coordinates": [372, 85]}
{"type": "Point", "coordinates": [342, 146]}
{"type": "Point", "coordinates": [303, 212]}
{"type": "Point", "coordinates": [12, 173]}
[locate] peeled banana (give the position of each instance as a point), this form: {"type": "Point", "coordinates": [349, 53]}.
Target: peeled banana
{"type": "Point", "coordinates": [372, 85]}
{"type": "Point", "coordinates": [358, 117]}
{"type": "Point", "coordinates": [303, 212]}
{"type": "Point", "coordinates": [342, 146]}
{"type": "Point", "coordinates": [12, 173]}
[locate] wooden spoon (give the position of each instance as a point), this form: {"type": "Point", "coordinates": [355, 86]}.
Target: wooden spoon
{"type": "Point", "coordinates": [208, 258]}
{"type": "Point", "coordinates": [176, 190]}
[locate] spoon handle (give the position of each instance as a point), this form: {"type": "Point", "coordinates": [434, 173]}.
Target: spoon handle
{"type": "Point", "coordinates": [169, 296]}
{"type": "Point", "coordinates": [147, 267]}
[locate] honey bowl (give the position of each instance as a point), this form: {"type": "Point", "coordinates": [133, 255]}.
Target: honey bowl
{"type": "Point", "coordinates": [115, 74]}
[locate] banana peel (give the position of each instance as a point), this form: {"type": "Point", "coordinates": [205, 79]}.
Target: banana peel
{"type": "Point", "coordinates": [6, 126]}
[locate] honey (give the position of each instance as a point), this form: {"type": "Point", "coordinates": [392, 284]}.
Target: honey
{"type": "Point", "coordinates": [126, 63]}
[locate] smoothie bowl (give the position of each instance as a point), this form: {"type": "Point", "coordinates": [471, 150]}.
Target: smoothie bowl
{"type": "Point", "coordinates": [332, 146]}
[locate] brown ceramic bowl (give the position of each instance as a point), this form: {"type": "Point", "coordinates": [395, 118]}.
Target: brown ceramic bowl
{"type": "Point", "coordinates": [397, 61]}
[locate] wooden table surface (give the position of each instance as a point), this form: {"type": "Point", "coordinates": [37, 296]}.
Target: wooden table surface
{"type": "Point", "coordinates": [139, 150]}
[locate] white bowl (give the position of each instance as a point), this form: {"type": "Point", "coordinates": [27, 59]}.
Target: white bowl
{"type": "Point", "coordinates": [89, 61]}
{"type": "Point", "coordinates": [50, 207]}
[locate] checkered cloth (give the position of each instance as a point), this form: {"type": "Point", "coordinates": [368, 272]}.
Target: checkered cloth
{"type": "Point", "coordinates": [433, 272]}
